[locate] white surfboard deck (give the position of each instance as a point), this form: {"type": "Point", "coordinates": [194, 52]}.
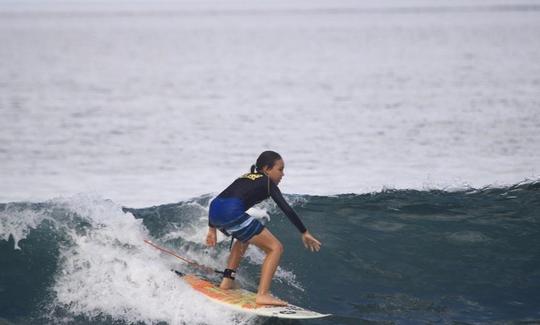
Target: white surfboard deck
{"type": "Point", "coordinates": [244, 301]}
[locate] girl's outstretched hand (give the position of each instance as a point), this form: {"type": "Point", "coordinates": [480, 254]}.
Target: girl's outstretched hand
{"type": "Point", "coordinates": [311, 242]}
{"type": "Point", "coordinates": [211, 238]}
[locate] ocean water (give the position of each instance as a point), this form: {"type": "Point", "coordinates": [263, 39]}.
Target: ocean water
{"type": "Point", "coordinates": [150, 103]}
{"type": "Point", "coordinates": [410, 132]}
{"type": "Point", "coordinates": [391, 257]}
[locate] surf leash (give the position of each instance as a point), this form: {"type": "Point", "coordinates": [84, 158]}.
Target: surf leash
{"type": "Point", "coordinates": [190, 262]}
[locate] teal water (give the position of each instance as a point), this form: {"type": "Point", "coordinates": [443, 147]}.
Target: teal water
{"type": "Point", "coordinates": [391, 257]}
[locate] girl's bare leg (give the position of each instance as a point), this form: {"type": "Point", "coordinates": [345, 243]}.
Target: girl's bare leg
{"type": "Point", "coordinates": [273, 249]}
{"type": "Point", "coordinates": [237, 252]}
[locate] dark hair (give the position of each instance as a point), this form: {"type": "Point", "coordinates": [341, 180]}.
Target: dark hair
{"type": "Point", "coordinates": [266, 159]}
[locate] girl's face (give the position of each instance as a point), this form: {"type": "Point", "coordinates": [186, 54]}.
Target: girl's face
{"type": "Point", "coordinates": [276, 172]}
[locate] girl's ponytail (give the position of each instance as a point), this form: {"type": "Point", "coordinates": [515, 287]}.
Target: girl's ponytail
{"type": "Point", "coordinates": [253, 169]}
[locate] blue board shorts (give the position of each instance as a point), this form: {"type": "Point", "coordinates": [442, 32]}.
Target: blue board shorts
{"type": "Point", "coordinates": [229, 216]}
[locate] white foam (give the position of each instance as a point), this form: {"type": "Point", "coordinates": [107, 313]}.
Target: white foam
{"type": "Point", "coordinates": [106, 270]}
{"type": "Point", "coordinates": [18, 223]}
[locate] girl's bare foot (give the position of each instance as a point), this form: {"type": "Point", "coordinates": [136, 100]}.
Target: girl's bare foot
{"type": "Point", "coordinates": [227, 284]}
{"type": "Point", "coordinates": [268, 299]}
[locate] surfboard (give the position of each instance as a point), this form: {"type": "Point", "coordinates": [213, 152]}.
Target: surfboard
{"type": "Point", "coordinates": [242, 300]}
{"type": "Point", "coordinates": [236, 299]}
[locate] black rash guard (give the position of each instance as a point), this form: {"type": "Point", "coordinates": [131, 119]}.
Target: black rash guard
{"type": "Point", "coordinates": [253, 188]}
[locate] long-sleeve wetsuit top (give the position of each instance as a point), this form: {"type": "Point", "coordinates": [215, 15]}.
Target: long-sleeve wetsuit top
{"type": "Point", "coordinates": [253, 188]}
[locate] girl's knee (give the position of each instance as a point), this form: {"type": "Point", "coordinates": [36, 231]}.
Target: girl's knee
{"type": "Point", "coordinates": [277, 247]}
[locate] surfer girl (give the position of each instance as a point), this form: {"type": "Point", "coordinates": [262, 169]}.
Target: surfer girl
{"type": "Point", "coordinates": [228, 214]}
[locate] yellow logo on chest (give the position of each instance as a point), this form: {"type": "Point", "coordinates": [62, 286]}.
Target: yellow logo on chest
{"type": "Point", "coordinates": [251, 176]}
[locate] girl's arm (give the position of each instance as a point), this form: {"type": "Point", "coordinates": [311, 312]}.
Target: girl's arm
{"type": "Point", "coordinates": [276, 195]}
{"type": "Point", "coordinates": [310, 242]}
